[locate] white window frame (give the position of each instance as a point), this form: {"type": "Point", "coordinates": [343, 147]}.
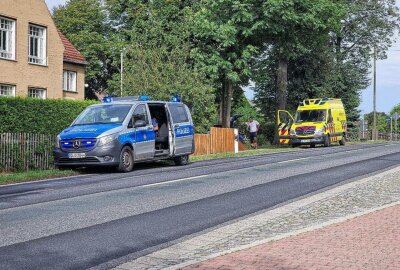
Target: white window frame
{"type": "Point", "coordinates": [35, 92]}
{"type": "Point", "coordinates": [70, 81]}
{"type": "Point", "coordinates": [8, 33]}
{"type": "Point", "coordinates": [9, 88]}
{"type": "Point", "coordinates": [37, 45]}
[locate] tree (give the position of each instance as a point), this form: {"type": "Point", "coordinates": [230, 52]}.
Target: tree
{"type": "Point", "coordinates": [157, 45]}
{"type": "Point", "coordinates": [303, 25]}
{"type": "Point", "coordinates": [223, 46]}
{"type": "Point", "coordinates": [381, 119]}
{"type": "Point", "coordinates": [85, 24]}
{"type": "Point", "coordinates": [336, 63]}
{"type": "Point", "coordinates": [366, 26]}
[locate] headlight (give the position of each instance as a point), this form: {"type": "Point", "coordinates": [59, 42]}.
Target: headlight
{"type": "Point", "coordinates": [106, 139]}
{"type": "Point", "coordinates": [57, 142]}
{"type": "Point", "coordinates": [320, 131]}
{"type": "Point", "coordinates": [292, 132]}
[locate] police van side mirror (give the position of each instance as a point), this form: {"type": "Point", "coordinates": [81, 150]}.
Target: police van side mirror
{"type": "Point", "coordinates": [140, 123]}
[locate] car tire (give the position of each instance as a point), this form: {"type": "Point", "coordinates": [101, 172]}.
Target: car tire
{"type": "Point", "coordinates": [327, 141]}
{"type": "Point", "coordinates": [343, 140]}
{"type": "Point", "coordinates": [126, 161]}
{"type": "Point", "coordinates": [294, 145]}
{"type": "Point", "coordinates": [312, 145]}
{"type": "Point", "coordinates": [181, 160]}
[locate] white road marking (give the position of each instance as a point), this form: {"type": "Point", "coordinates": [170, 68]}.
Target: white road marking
{"type": "Point", "coordinates": [174, 181]}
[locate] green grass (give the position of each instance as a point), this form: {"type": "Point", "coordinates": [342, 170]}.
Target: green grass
{"type": "Point", "coordinates": [244, 153]}
{"type": "Point", "coordinates": [270, 149]}
{"type": "Point", "coordinates": [8, 178]}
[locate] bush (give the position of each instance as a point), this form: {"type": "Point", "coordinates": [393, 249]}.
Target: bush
{"type": "Point", "coordinates": [268, 132]}
{"type": "Point", "coordinates": [38, 116]}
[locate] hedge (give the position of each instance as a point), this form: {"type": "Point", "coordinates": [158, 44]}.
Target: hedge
{"type": "Point", "coordinates": [31, 115]}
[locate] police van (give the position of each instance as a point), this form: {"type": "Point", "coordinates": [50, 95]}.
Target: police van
{"type": "Point", "coordinates": [320, 121]}
{"type": "Point", "coordinates": [127, 130]}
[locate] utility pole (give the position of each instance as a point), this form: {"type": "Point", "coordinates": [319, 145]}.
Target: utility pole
{"type": "Point", "coordinates": [122, 70]}
{"type": "Point", "coordinates": [374, 131]}
{"type": "Point", "coordinates": [396, 127]}
{"type": "Point", "coordinates": [391, 128]}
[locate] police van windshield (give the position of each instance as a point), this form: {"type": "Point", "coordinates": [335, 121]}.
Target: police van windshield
{"type": "Point", "coordinates": [310, 116]}
{"type": "Point", "coordinates": [105, 114]}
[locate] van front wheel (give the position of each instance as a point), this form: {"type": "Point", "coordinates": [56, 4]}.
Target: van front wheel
{"type": "Point", "coordinates": [125, 160]}
{"type": "Point", "coordinates": [181, 160]}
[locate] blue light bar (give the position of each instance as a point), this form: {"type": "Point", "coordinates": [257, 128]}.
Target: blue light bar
{"type": "Point", "coordinates": [131, 98]}
{"type": "Point", "coordinates": [176, 98]}
{"type": "Point", "coordinates": [107, 99]}
{"type": "Point", "coordinates": [144, 98]}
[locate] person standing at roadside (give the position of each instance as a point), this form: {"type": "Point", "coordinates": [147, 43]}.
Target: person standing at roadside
{"type": "Point", "coordinates": [252, 127]}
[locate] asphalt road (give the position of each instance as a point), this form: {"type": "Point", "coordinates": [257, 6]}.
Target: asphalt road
{"type": "Point", "coordinates": [101, 220]}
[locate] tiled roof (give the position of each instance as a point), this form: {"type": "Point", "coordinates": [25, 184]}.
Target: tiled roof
{"type": "Point", "coordinates": [71, 54]}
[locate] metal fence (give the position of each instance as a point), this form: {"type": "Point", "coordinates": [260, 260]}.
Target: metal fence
{"type": "Point", "coordinates": [25, 151]}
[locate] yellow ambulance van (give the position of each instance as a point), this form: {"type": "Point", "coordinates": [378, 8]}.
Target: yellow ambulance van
{"type": "Point", "coordinates": [317, 122]}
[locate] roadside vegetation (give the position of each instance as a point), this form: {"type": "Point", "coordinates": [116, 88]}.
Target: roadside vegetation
{"type": "Point", "coordinates": [18, 177]}
{"type": "Point", "coordinates": [208, 50]}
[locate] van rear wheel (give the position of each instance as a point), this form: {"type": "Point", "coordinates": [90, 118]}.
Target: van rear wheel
{"type": "Point", "coordinates": [125, 160]}
{"type": "Point", "coordinates": [343, 140]}
{"type": "Point", "coordinates": [181, 160]}
{"type": "Point", "coordinates": [327, 141]}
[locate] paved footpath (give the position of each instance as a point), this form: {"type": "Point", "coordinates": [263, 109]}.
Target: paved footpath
{"type": "Point", "coordinates": [351, 226]}
{"type": "Point", "coordinates": [371, 241]}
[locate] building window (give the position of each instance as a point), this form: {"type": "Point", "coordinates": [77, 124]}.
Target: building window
{"type": "Point", "coordinates": [7, 90]}
{"type": "Point", "coordinates": [69, 81]}
{"type": "Point", "coordinates": [37, 93]}
{"type": "Point", "coordinates": [7, 38]}
{"type": "Point", "coordinates": [37, 45]}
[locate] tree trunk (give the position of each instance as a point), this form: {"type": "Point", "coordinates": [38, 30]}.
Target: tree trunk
{"type": "Point", "coordinates": [281, 90]}
{"type": "Point", "coordinates": [226, 103]}
{"type": "Point", "coordinates": [221, 105]}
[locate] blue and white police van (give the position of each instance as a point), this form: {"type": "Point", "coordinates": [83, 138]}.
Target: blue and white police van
{"type": "Point", "coordinates": [127, 130]}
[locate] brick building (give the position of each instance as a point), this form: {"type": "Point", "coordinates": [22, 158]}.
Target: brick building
{"type": "Point", "coordinates": [36, 59]}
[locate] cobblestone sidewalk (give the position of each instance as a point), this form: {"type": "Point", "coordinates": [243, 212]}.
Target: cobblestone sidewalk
{"type": "Point", "coordinates": [371, 241]}
{"type": "Point", "coordinates": [317, 211]}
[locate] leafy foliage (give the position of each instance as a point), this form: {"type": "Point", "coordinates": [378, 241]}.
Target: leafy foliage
{"type": "Point", "coordinates": [38, 116]}
{"type": "Point", "coordinates": [335, 63]}
{"type": "Point", "coordinates": [85, 24]}
{"type": "Point", "coordinates": [382, 125]}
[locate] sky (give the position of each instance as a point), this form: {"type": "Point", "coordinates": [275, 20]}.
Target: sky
{"type": "Point", "coordinates": [388, 78]}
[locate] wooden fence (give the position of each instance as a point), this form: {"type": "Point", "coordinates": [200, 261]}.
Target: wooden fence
{"type": "Point", "coordinates": [24, 151]}
{"type": "Point", "coordinates": [219, 140]}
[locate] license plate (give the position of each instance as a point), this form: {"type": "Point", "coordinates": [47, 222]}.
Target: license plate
{"type": "Point", "coordinates": [76, 155]}
{"type": "Point", "coordinates": [305, 141]}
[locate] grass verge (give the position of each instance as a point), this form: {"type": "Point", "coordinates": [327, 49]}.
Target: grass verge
{"type": "Point", "coordinates": [8, 178]}
{"type": "Point", "coordinates": [244, 153]}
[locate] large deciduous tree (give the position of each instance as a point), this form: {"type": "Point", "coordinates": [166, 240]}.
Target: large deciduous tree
{"type": "Point", "coordinates": [333, 62]}
{"type": "Point", "coordinates": [292, 28]}
{"type": "Point", "coordinates": [85, 24]}
{"type": "Point", "coordinates": [223, 34]}
{"type": "Point", "coordinates": [157, 42]}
